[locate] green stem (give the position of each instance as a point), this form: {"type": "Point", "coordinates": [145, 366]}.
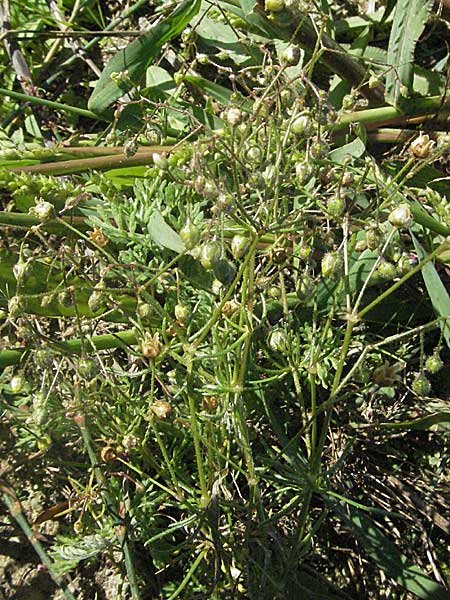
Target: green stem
{"type": "Point", "coordinates": [189, 574]}
{"type": "Point", "coordinates": [387, 115]}
{"type": "Point", "coordinates": [15, 508]}
{"type": "Point", "coordinates": [82, 112]}
{"type": "Point", "coordinates": [98, 163]}
{"type": "Point", "coordinates": [120, 528]}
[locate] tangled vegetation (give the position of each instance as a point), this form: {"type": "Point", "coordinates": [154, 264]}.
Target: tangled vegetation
{"type": "Point", "coordinates": [224, 290]}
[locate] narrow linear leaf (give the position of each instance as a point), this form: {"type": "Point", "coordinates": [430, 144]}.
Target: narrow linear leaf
{"type": "Point", "coordinates": [137, 56]}
{"type": "Point", "coordinates": [436, 290]}
{"type": "Point", "coordinates": [409, 22]}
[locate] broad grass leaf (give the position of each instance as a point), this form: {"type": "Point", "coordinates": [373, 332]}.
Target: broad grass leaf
{"type": "Point", "coordinates": [138, 55]}
{"type": "Point", "coordinates": [384, 552]}
{"type": "Point", "coordinates": [163, 234]}
{"type": "Point", "coordinates": [436, 290]}
{"type": "Point", "coordinates": [409, 22]}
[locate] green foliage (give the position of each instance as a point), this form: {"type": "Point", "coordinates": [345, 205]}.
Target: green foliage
{"type": "Point", "coordinates": [245, 317]}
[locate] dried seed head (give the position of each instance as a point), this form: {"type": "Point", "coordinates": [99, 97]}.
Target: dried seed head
{"type": "Point", "coordinates": [210, 404]}
{"type": "Point", "coordinates": [98, 237]}
{"type": "Point", "coordinates": [421, 147]}
{"type": "Point", "coordinates": [151, 345]}
{"type": "Point", "coordinates": [161, 409]}
{"type": "Point", "coordinates": [233, 116]}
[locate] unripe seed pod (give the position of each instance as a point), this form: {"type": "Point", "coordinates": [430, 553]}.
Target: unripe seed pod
{"type": "Point", "coordinates": [319, 149]}
{"type": "Point", "coordinates": [336, 206]}
{"type": "Point", "coordinates": [130, 147]}
{"type": "Point", "coordinates": [15, 306]}
{"type": "Point", "coordinates": [224, 271]}
{"type": "Point", "coordinates": [421, 385]}
{"type": "Point", "coordinates": [303, 172]}
{"type": "Point", "coordinates": [373, 238]}
{"type": "Point", "coordinates": [96, 301]}
{"type": "Point", "coordinates": [160, 161]}
{"type": "Point", "coordinates": [348, 102]}
{"type": "Point", "coordinates": [279, 341]}
{"type": "Point", "coordinates": [182, 313]}
{"type": "Point", "coordinates": [65, 298]}
{"type": "Point", "coordinates": [401, 216]}
{"type": "Point", "coordinates": [386, 270]}
{"type": "Point", "coordinates": [190, 235]}
{"type": "Point", "coordinates": [253, 155]}
{"type": "Point", "coordinates": [290, 56]}
{"type": "Point", "coordinates": [433, 364]}
{"type": "Point", "coordinates": [87, 368]}
{"type": "Point", "coordinates": [239, 246]}
{"type": "Point", "coordinates": [302, 126]}
{"type": "Point", "coordinates": [274, 5]}
{"type": "Point", "coordinates": [44, 211]}
{"type": "Point", "coordinates": [210, 254]}
{"type": "Point", "coordinates": [374, 82]}
{"type": "Point", "coordinates": [17, 382]}
{"type": "Point", "coordinates": [331, 264]}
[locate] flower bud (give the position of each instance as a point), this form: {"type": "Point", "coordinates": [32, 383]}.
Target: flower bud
{"type": "Point", "coordinates": [160, 161]}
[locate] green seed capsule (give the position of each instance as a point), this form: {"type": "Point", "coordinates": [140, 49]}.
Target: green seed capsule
{"type": "Point", "coordinates": [210, 254]}
{"type": "Point", "coordinates": [239, 246]}
{"type": "Point", "coordinates": [190, 235]}
{"type": "Point", "coordinates": [331, 264]}
{"type": "Point", "coordinates": [224, 271]}
{"type": "Point", "coordinates": [279, 341]}
{"type": "Point", "coordinates": [421, 385]}
{"type": "Point", "coordinates": [434, 363]}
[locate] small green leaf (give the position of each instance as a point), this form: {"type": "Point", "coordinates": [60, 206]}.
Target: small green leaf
{"type": "Point", "coordinates": [133, 60]}
{"type": "Point", "coordinates": [355, 149]}
{"type": "Point", "coordinates": [164, 235]}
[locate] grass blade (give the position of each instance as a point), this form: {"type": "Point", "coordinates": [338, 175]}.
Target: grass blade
{"type": "Point", "coordinates": [436, 290]}
{"type": "Point", "coordinates": [137, 56]}
{"type": "Point", "coordinates": [409, 22]}
{"type": "Point", "coordinates": [385, 554]}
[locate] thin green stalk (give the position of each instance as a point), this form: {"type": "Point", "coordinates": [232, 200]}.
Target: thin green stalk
{"type": "Point", "coordinates": [76, 110]}
{"type": "Point", "coordinates": [120, 528]}
{"type": "Point", "coordinates": [189, 574]}
{"type": "Point", "coordinates": [15, 508]}
{"type": "Point", "coordinates": [197, 447]}
{"type": "Point", "coordinates": [22, 220]}
{"type": "Point", "coordinates": [444, 246]}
